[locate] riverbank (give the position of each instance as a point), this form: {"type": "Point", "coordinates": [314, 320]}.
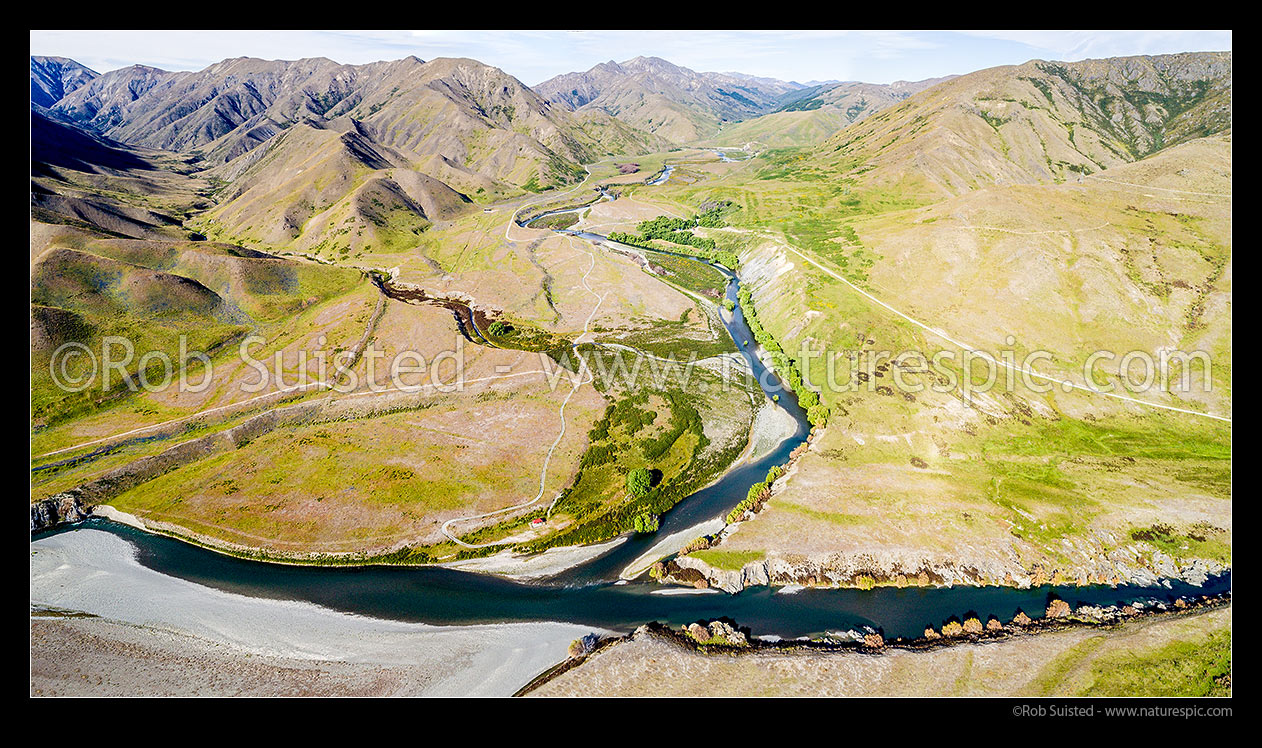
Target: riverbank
{"type": "Point", "coordinates": [168, 623]}
{"type": "Point", "coordinates": [550, 562]}
{"type": "Point", "coordinates": [772, 425]}
{"type": "Point", "coordinates": [88, 656]}
{"type": "Point", "coordinates": [872, 570]}
{"type": "Point", "coordinates": [1182, 652]}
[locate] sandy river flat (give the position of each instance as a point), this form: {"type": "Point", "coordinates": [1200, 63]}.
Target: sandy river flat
{"type": "Point", "coordinates": [156, 634]}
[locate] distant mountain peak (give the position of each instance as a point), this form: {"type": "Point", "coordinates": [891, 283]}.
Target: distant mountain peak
{"type": "Point", "coordinates": [52, 78]}
{"type": "Point", "coordinates": [658, 96]}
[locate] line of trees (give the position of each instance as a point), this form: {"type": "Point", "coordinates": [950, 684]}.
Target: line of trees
{"type": "Point", "coordinates": [679, 231]}
{"type": "Point", "coordinates": [785, 365]}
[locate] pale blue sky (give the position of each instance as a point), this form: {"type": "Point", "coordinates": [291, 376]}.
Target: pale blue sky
{"type": "Point", "coordinates": [534, 56]}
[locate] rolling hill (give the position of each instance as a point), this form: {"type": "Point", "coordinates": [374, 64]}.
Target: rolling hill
{"type": "Point", "coordinates": [1070, 209]}
{"type": "Point", "coordinates": [320, 189]}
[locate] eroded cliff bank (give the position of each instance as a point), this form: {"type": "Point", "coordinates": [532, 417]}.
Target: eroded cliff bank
{"type": "Point", "coordinates": [870, 570]}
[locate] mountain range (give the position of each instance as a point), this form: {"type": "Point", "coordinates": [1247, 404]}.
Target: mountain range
{"type": "Point", "coordinates": [426, 139]}
{"type": "Point", "coordinates": [409, 137]}
{"type": "Point", "coordinates": [820, 111]}
{"type": "Point", "coordinates": [456, 116]}
{"type": "Point", "coordinates": [684, 106]}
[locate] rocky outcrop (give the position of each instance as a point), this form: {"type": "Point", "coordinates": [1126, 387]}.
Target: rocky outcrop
{"type": "Point", "coordinates": [728, 580]}
{"type": "Point", "coordinates": [62, 508]}
{"type": "Point", "coordinates": [52, 78]}
{"type": "Point", "coordinates": [716, 632]}
{"type": "Point", "coordinates": [734, 642]}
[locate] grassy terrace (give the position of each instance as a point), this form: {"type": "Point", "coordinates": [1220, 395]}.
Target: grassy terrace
{"type": "Point", "coordinates": [661, 429]}
{"type": "Point", "coordinates": [690, 274]}
{"type": "Point", "coordinates": [284, 302]}
{"type": "Point", "coordinates": [672, 339]}
{"type": "Point", "coordinates": [728, 560]}
{"type": "Point", "coordinates": [558, 221]}
{"type": "Point", "coordinates": [341, 485]}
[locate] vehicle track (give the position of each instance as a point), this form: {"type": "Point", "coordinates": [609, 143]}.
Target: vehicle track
{"type": "Point", "coordinates": [584, 376]}
{"type": "Point", "coordinates": [1064, 384]}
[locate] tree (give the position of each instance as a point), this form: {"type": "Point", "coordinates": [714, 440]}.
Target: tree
{"type": "Point", "coordinates": [645, 523]}
{"type": "Point", "coordinates": [639, 481]}
{"type": "Point", "coordinates": [499, 328]}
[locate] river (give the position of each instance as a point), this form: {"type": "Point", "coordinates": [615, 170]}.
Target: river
{"type": "Point", "coordinates": [448, 597]}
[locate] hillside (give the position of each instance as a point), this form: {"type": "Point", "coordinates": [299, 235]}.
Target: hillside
{"type": "Point", "coordinates": [819, 112]}
{"type": "Point", "coordinates": [190, 251]}
{"type": "Point", "coordinates": [1059, 208]}
{"type": "Point", "coordinates": [1037, 122]}
{"type": "Point", "coordinates": [859, 100]}
{"type": "Point", "coordinates": [82, 179]}
{"type": "Point", "coordinates": [325, 191]}
{"type": "Point", "coordinates": [676, 103]}
{"type": "Point", "coordinates": [348, 379]}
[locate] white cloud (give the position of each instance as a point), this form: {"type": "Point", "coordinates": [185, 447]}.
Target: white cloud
{"type": "Point", "coordinates": [1081, 45]}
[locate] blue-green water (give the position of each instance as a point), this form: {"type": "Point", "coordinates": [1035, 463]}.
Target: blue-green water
{"type": "Point", "coordinates": [447, 597]}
